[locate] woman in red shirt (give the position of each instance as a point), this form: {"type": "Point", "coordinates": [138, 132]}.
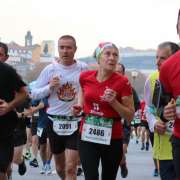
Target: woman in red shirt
{"type": "Point", "coordinates": [105, 97]}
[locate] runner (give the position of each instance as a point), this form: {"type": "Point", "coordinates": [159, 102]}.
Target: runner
{"type": "Point", "coordinates": [41, 106]}
{"type": "Point", "coordinates": [162, 149]}
{"type": "Point", "coordinates": [59, 82]}
{"type": "Point", "coordinates": [106, 98]}
{"type": "Point", "coordinates": [120, 68]}
{"type": "Point", "coordinates": [170, 78]}
{"type": "Point", "coordinates": [20, 137]}
{"type": "Point", "coordinates": [12, 93]}
{"type": "Point", "coordinates": [144, 128]}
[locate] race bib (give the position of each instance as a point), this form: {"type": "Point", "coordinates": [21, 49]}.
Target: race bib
{"type": "Point", "coordinates": [39, 131]}
{"type": "Point", "coordinates": [97, 130]}
{"type": "Point", "coordinates": [137, 121]}
{"type": "Point", "coordinates": [36, 114]}
{"type": "Point", "coordinates": [169, 127]}
{"type": "Point", "coordinates": [64, 127]}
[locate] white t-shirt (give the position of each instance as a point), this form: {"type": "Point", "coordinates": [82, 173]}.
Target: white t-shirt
{"type": "Point", "coordinates": [60, 99]}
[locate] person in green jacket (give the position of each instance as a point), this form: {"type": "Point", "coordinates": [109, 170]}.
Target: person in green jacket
{"type": "Point", "coordinates": [162, 148]}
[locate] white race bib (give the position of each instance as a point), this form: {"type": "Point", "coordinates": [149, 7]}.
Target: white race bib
{"type": "Point", "coordinates": [64, 127]}
{"type": "Point", "coordinates": [169, 127]}
{"type": "Point", "coordinates": [36, 114]}
{"type": "Point", "coordinates": [97, 130]}
{"type": "Point", "coordinates": [137, 121]}
{"type": "Point", "coordinates": [39, 131]}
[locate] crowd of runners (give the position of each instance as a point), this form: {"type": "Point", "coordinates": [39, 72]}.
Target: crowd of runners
{"type": "Point", "coordinates": [81, 117]}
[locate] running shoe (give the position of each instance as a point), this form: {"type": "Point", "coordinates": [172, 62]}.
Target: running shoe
{"type": "Point", "coordinates": [147, 146]}
{"type": "Point", "coordinates": [124, 171]}
{"type": "Point", "coordinates": [79, 171]}
{"type": "Point", "coordinates": [43, 170]}
{"type": "Point", "coordinates": [155, 173]}
{"type": "Point", "coordinates": [143, 147]}
{"type": "Point", "coordinates": [34, 163]}
{"type": "Point", "coordinates": [10, 177]}
{"type": "Point", "coordinates": [48, 169]}
{"type": "Point", "coordinates": [22, 168]}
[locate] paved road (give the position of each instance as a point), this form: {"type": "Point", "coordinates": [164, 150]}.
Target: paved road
{"type": "Point", "coordinates": [140, 166]}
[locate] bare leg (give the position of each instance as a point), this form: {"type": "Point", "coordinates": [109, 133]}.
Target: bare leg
{"type": "Point", "coordinates": [71, 164]}
{"type": "Point", "coordinates": [60, 164]}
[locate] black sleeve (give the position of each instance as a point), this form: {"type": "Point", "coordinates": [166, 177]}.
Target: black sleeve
{"type": "Point", "coordinates": [17, 81]}
{"type": "Point", "coordinates": [136, 100]}
{"type": "Point", "coordinates": [160, 99]}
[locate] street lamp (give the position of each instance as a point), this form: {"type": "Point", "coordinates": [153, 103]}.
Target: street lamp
{"type": "Point", "coordinates": [134, 74]}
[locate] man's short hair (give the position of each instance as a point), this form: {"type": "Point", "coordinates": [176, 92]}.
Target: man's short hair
{"type": "Point", "coordinates": [123, 67]}
{"type": "Point", "coordinates": [171, 45]}
{"type": "Point", "coordinates": [5, 47]}
{"type": "Point", "coordinates": [68, 37]}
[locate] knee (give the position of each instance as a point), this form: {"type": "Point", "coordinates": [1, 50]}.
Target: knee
{"type": "Point", "coordinates": [60, 172]}
{"type": "Point", "coordinates": [71, 168]}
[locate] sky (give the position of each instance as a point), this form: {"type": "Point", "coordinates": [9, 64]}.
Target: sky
{"type": "Point", "coordinates": [140, 24]}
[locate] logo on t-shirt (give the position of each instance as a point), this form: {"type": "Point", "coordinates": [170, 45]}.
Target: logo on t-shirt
{"type": "Point", "coordinates": [96, 109]}
{"type": "Point", "coordinates": [66, 92]}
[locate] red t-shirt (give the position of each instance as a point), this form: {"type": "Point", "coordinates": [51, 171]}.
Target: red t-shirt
{"type": "Point", "coordinates": [93, 104]}
{"type": "Point", "coordinates": [170, 79]}
{"type": "Point", "coordinates": [142, 110]}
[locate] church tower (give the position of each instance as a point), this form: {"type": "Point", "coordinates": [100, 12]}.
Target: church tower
{"type": "Point", "coordinates": [28, 39]}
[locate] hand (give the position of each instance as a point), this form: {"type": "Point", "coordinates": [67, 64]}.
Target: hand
{"type": "Point", "coordinates": [109, 95]}
{"type": "Point", "coordinates": [54, 82]}
{"type": "Point", "coordinates": [170, 110]}
{"type": "Point", "coordinates": [4, 107]}
{"type": "Point", "coordinates": [76, 109]}
{"type": "Point", "coordinates": [160, 127]}
{"type": "Point", "coordinates": [28, 112]}
{"type": "Point", "coordinates": [19, 115]}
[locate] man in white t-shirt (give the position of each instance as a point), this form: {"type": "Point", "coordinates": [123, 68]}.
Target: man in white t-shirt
{"type": "Point", "coordinates": [59, 82]}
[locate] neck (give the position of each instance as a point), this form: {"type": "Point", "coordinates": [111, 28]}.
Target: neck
{"type": "Point", "coordinates": [66, 63]}
{"type": "Point", "coordinates": [103, 75]}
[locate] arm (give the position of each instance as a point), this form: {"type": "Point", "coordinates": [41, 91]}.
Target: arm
{"type": "Point", "coordinates": [151, 118]}
{"type": "Point", "coordinates": [125, 109]}
{"type": "Point", "coordinates": [78, 108]}
{"type": "Point", "coordinates": [170, 110]}
{"type": "Point", "coordinates": [38, 107]}
{"type": "Point", "coordinates": [6, 107]}
{"type": "Point", "coordinates": [45, 85]}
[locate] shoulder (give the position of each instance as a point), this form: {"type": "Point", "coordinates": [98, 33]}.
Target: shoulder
{"type": "Point", "coordinates": [119, 77]}
{"type": "Point", "coordinates": [88, 73]}
{"type": "Point", "coordinates": [152, 77]}
{"type": "Point", "coordinates": [6, 67]}
{"type": "Point", "coordinates": [82, 65]}
{"type": "Point", "coordinates": [171, 62]}
{"type": "Point", "coordinates": [49, 68]}
{"type": "Point", "coordinates": [155, 74]}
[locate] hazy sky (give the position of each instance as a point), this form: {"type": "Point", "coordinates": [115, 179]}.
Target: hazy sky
{"type": "Point", "coordinates": [138, 23]}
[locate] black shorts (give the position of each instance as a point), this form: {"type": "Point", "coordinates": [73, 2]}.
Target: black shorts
{"type": "Point", "coordinates": [34, 125]}
{"type": "Point", "coordinates": [28, 123]}
{"type": "Point", "coordinates": [58, 143]}
{"type": "Point", "coordinates": [44, 136]}
{"type": "Point", "coordinates": [145, 124]}
{"type": "Point", "coordinates": [136, 125]}
{"type": "Point", "coordinates": [19, 137]}
{"type": "Point", "coordinates": [6, 153]}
